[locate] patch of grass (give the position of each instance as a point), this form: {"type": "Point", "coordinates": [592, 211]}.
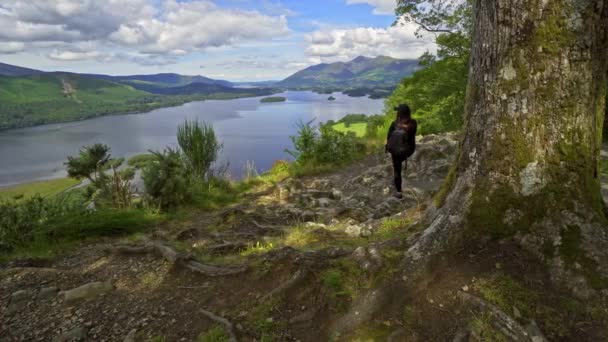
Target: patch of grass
{"type": "Point", "coordinates": [258, 248]}
{"type": "Point", "coordinates": [358, 128]}
{"type": "Point", "coordinates": [333, 279]}
{"type": "Point", "coordinates": [507, 293]}
{"type": "Point", "coordinates": [215, 334]}
{"type": "Point", "coordinates": [262, 322]}
{"type": "Point", "coordinates": [481, 327]}
{"type": "Point", "coordinates": [43, 188]}
{"type": "Point", "coordinates": [63, 232]}
{"type": "Point", "coordinates": [372, 333]}
{"type": "Point", "coordinates": [141, 160]}
{"type": "Point", "coordinates": [300, 236]}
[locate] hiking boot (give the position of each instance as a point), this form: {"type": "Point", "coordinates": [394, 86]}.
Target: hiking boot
{"type": "Point", "coordinates": [398, 195]}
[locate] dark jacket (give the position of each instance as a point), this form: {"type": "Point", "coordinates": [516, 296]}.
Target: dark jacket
{"type": "Point", "coordinates": [411, 135]}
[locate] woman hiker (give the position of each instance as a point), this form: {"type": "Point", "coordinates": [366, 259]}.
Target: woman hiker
{"type": "Point", "coordinates": [401, 142]}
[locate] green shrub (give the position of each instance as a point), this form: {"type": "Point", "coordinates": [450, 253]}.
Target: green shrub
{"type": "Point", "coordinates": [304, 142]}
{"type": "Point", "coordinates": [167, 180]}
{"type": "Point", "coordinates": [20, 219]}
{"type": "Point", "coordinates": [324, 148]}
{"type": "Point", "coordinates": [199, 147]}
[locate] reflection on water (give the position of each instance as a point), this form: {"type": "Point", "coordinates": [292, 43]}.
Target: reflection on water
{"type": "Point", "coordinates": [248, 129]}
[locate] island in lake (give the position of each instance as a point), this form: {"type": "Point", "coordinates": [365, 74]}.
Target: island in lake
{"type": "Point", "coordinates": [273, 99]}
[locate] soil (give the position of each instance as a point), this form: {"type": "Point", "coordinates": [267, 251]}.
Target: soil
{"type": "Point", "coordinates": [290, 290]}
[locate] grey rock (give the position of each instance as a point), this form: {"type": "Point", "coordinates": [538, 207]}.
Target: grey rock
{"type": "Point", "coordinates": [353, 230]}
{"type": "Point", "coordinates": [324, 202]}
{"type": "Point", "coordinates": [86, 292]}
{"type": "Point", "coordinates": [76, 334]}
{"type": "Point", "coordinates": [336, 194]}
{"type": "Point", "coordinates": [47, 292]}
{"type": "Point", "coordinates": [369, 259]}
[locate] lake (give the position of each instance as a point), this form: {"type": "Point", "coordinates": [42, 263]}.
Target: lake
{"type": "Point", "coordinates": [249, 131]}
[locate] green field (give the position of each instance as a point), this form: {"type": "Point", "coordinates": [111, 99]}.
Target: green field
{"type": "Point", "coordinates": [43, 188]}
{"type": "Point", "coordinates": [357, 128]}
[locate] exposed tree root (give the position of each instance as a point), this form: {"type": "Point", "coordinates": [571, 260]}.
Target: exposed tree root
{"type": "Point", "coordinates": [226, 323]}
{"type": "Point", "coordinates": [361, 311]}
{"type": "Point", "coordinates": [179, 259]}
{"type": "Point", "coordinates": [226, 247]}
{"type": "Point", "coordinates": [503, 322]}
{"type": "Point", "coordinates": [294, 281]}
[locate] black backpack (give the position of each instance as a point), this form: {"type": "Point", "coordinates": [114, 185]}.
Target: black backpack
{"type": "Point", "coordinates": [398, 141]}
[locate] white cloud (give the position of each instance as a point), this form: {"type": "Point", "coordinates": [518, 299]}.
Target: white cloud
{"type": "Point", "coordinates": [11, 47]}
{"type": "Point", "coordinates": [67, 55]}
{"type": "Point", "coordinates": [381, 7]}
{"type": "Point", "coordinates": [342, 44]}
{"type": "Point", "coordinates": [152, 27]}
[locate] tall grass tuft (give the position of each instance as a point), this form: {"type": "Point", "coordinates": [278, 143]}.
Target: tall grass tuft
{"type": "Point", "coordinates": [199, 145]}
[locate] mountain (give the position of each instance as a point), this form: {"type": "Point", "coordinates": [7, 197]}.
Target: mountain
{"type": "Point", "coordinates": [155, 80]}
{"type": "Point", "coordinates": [203, 88]}
{"type": "Point", "coordinates": [12, 70]}
{"type": "Point", "coordinates": [360, 72]}
{"type": "Point", "coordinates": [162, 80]}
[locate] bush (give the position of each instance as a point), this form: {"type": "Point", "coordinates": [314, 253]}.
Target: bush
{"type": "Point", "coordinates": [20, 219]}
{"type": "Point", "coordinates": [167, 180]}
{"type": "Point", "coordinates": [324, 147]}
{"type": "Point", "coordinates": [199, 146]}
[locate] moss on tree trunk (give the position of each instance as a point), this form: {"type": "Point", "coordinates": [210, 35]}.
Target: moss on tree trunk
{"type": "Point", "coordinates": [529, 160]}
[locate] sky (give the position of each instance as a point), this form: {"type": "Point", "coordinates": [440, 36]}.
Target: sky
{"type": "Point", "coordinates": [236, 40]}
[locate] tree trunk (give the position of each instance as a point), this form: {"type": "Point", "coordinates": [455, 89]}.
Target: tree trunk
{"type": "Point", "coordinates": [528, 167]}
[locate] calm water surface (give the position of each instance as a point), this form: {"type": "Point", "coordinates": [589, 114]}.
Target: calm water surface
{"type": "Point", "coordinates": [248, 129]}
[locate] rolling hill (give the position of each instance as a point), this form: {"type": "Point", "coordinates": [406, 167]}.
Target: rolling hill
{"type": "Point", "coordinates": [163, 80]}
{"type": "Point", "coordinates": [59, 97]}
{"type": "Point", "coordinates": [360, 72]}
{"type": "Point", "coordinates": [12, 70]}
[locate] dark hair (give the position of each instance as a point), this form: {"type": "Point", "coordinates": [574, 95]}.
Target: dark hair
{"type": "Point", "coordinates": [404, 112]}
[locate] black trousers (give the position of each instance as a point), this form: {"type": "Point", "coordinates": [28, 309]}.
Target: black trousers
{"type": "Point", "coordinates": [398, 161]}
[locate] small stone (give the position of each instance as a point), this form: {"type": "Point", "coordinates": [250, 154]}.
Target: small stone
{"type": "Point", "coordinates": [465, 288]}
{"type": "Point", "coordinates": [269, 320]}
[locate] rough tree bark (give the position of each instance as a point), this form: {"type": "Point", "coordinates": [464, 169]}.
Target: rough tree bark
{"type": "Point", "coordinates": [529, 158]}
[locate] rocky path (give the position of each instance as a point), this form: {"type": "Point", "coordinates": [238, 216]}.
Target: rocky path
{"type": "Point", "coordinates": [256, 271]}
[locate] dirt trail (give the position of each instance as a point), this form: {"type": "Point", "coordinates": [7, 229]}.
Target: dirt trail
{"type": "Point", "coordinates": [283, 265]}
